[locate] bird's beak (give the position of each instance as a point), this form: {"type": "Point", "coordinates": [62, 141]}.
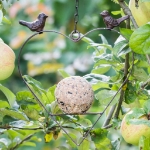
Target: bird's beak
{"type": "Point", "coordinates": [46, 16]}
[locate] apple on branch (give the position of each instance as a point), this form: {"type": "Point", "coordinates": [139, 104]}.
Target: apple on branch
{"type": "Point", "coordinates": [7, 59]}
{"type": "Point", "coordinates": [135, 124]}
{"type": "Point", "coordinates": [142, 13]}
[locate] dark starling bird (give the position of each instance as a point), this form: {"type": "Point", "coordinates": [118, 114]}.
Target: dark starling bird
{"type": "Point", "coordinates": [110, 22]}
{"type": "Point", "coordinates": [36, 25]}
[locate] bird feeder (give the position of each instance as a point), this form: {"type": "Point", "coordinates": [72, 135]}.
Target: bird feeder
{"type": "Point", "coordinates": [74, 95]}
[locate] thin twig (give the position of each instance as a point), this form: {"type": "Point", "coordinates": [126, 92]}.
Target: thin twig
{"type": "Point", "coordinates": [108, 126]}
{"type": "Point", "coordinates": [126, 68]}
{"type": "Point", "coordinates": [127, 11]}
{"type": "Point", "coordinates": [88, 113]}
{"type": "Point", "coordinates": [11, 127]}
{"type": "Point", "coordinates": [110, 114]}
{"type": "Point", "coordinates": [148, 58]}
{"type": "Point", "coordinates": [119, 104]}
{"type": "Point", "coordinates": [25, 139]}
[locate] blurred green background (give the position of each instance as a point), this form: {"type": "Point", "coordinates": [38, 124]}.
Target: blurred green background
{"type": "Point", "coordinates": [48, 52]}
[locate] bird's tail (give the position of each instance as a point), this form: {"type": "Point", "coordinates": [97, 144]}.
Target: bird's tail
{"type": "Point", "coordinates": [23, 23]}
{"type": "Point", "coordinates": [122, 19]}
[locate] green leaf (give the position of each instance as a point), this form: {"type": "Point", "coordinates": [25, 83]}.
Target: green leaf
{"type": "Point", "coordinates": [126, 32]}
{"type": "Point", "coordinates": [119, 47]}
{"type": "Point", "coordinates": [5, 20]}
{"type": "Point", "coordinates": [2, 130]}
{"type": "Point", "coordinates": [32, 113]}
{"type": "Point", "coordinates": [99, 134]}
{"type": "Point", "coordinates": [51, 93]}
{"type": "Point", "coordinates": [104, 145]}
{"type": "Point", "coordinates": [63, 73]}
{"type": "Point", "coordinates": [36, 84]}
{"type": "Point", "coordinates": [10, 96]}
{"type": "Point", "coordinates": [130, 93]}
{"type": "Point", "coordinates": [104, 97]}
{"type": "Point", "coordinates": [95, 78]}
{"type": "Point", "coordinates": [100, 85]}
{"type": "Point", "coordinates": [124, 51]}
{"type": "Point", "coordinates": [139, 121]}
{"type": "Point", "coordinates": [2, 145]}
{"type": "Point", "coordinates": [63, 148]}
{"type": "Point", "coordinates": [25, 124]}
{"type": "Point", "coordinates": [103, 45]}
{"type": "Point", "coordinates": [37, 88]}
{"type": "Point", "coordinates": [29, 144]}
{"type": "Point", "coordinates": [144, 143]}
{"type": "Point", "coordinates": [133, 117]}
{"type": "Point", "coordinates": [116, 144]}
{"type": "Point", "coordinates": [13, 113]}
{"type": "Point", "coordinates": [87, 40]}
{"type": "Point", "coordinates": [4, 142]}
{"type": "Point", "coordinates": [116, 123]}
{"type": "Point", "coordinates": [53, 107]}
{"type": "Point", "coordinates": [124, 110]}
{"type": "Point", "coordinates": [7, 119]}
{"type": "Point", "coordinates": [101, 69]}
{"type": "Point", "coordinates": [116, 12]}
{"type": "Point", "coordinates": [12, 134]}
{"type": "Point", "coordinates": [104, 40]}
{"type": "Point", "coordinates": [140, 40]}
{"type": "Point", "coordinates": [69, 141]}
{"type": "Point", "coordinates": [99, 137]}
{"type": "Point", "coordinates": [85, 145]}
{"type": "Point", "coordinates": [4, 104]}
{"type": "Point", "coordinates": [71, 118]}
{"type": "Point", "coordinates": [146, 107]}
{"type": "Point", "coordinates": [25, 98]}
{"type": "Point", "coordinates": [85, 123]}
{"type": "Point", "coordinates": [115, 1]}
{"type": "Point", "coordinates": [135, 113]}
{"type": "Point", "coordinates": [105, 57]}
{"type": "Point", "coordinates": [140, 74]}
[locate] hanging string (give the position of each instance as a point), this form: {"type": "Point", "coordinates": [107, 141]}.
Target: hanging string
{"type": "Point", "coordinates": [76, 16]}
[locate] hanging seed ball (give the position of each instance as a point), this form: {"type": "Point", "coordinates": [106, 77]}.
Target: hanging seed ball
{"type": "Point", "coordinates": [74, 95]}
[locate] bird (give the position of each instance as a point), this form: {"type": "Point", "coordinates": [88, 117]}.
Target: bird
{"type": "Point", "coordinates": [110, 22]}
{"type": "Point", "coordinates": [37, 25]}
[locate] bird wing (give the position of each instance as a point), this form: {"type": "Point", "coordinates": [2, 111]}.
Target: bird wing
{"type": "Point", "coordinates": [111, 21]}
{"type": "Point", "coordinates": [36, 24]}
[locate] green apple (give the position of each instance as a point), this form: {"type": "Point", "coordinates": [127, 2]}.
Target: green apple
{"type": "Point", "coordinates": [132, 133]}
{"type": "Point", "coordinates": [142, 13]}
{"type": "Point", "coordinates": [7, 59]}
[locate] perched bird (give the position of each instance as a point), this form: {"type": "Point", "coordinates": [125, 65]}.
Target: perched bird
{"type": "Point", "coordinates": [110, 22]}
{"type": "Point", "coordinates": [36, 25]}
